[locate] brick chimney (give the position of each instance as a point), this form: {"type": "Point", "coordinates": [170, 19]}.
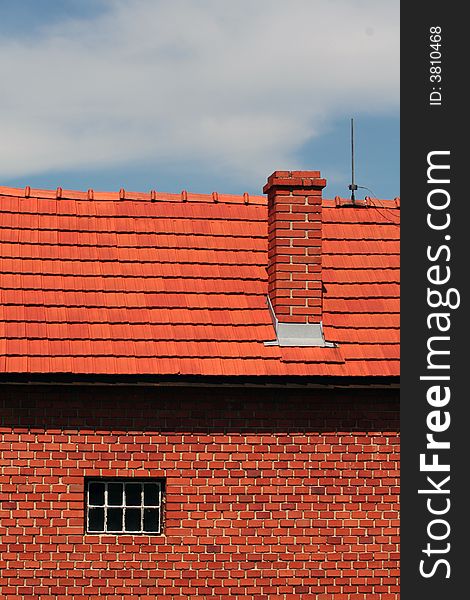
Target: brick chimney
{"type": "Point", "coordinates": [295, 257]}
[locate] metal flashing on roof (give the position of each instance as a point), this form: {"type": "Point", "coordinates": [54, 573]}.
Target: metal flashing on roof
{"type": "Point", "coordinates": [297, 334]}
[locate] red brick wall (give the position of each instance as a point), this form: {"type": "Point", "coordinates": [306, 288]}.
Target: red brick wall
{"type": "Point", "coordinates": [270, 493]}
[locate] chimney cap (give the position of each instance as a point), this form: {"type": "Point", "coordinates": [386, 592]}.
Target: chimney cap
{"type": "Point", "coordinates": [295, 180]}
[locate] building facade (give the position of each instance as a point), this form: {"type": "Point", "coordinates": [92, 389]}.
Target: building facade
{"type": "Point", "coordinates": [199, 394]}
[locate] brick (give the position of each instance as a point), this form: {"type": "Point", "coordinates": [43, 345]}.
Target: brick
{"type": "Point", "coordinates": [268, 495]}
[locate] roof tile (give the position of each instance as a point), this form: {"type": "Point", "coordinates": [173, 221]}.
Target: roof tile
{"type": "Point", "coordinates": [151, 284]}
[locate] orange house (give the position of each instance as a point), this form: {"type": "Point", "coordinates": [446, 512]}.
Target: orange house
{"type": "Point", "coordinates": [199, 394]}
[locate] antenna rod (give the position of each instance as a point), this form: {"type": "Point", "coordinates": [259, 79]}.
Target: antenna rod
{"type": "Point", "coordinates": [352, 155]}
{"type": "Point", "coordinates": [353, 186]}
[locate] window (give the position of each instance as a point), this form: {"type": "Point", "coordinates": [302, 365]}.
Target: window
{"type": "Point", "coordinates": [124, 506]}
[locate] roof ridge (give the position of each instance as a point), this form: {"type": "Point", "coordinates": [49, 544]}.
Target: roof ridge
{"type": "Point", "coordinates": [122, 194]}
{"type": "Point", "coordinates": [368, 201]}
{"type": "Point", "coordinates": [182, 197]}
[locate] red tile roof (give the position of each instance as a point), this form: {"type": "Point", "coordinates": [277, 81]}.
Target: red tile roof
{"type": "Point", "coordinates": [175, 284]}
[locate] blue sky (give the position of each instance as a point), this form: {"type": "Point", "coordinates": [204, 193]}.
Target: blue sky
{"type": "Point", "coordinates": [200, 95]}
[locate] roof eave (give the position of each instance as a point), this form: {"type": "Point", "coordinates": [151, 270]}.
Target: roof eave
{"type": "Point", "coordinates": [301, 381]}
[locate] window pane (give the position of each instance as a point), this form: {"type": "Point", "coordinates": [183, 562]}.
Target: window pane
{"type": "Point", "coordinates": [115, 494]}
{"type": "Point", "coordinates": [151, 494]}
{"type": "Point", "coordinates": [133, 494]}
{"type": "Point", "coordinates": [96, 493]}
{"type": "Point", "coordinates": [151, 520]}
{"type": "Point", "coordinates": [114, 522]}
{"type": "Point", "coordinates": [133, 519]}
{"type": "Point", "coordinates": [96, 519]}
{"type": "Point", "coordinates": [124, 506]}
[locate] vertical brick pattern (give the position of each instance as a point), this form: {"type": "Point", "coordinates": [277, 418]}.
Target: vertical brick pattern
{"type": "Point", "coordinates": [268, 496]}
{"type": "Point", "coordinates": [294, 251]}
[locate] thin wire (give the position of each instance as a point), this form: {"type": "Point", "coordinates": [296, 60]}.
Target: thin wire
{"type": "Point", "coordinates": [363, 187]}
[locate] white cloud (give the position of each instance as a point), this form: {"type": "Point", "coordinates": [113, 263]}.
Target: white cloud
{"type": "Point", "coordinates": [233, 85]}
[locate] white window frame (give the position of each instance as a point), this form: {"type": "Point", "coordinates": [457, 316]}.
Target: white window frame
{"type": "Point", "coordinates": [142, 506]}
